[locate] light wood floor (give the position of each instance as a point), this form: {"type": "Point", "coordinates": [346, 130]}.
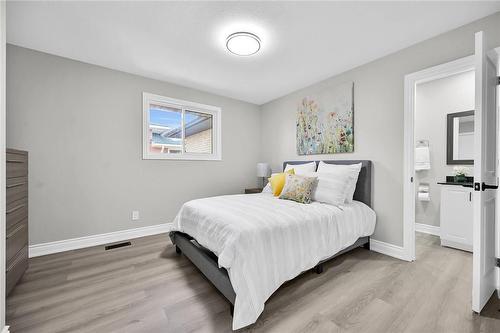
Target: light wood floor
{"type": "Point", "coordinates": [148, 288]}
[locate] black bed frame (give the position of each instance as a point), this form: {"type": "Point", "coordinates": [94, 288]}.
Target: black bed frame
{"type": "Point", "coordinates": [207, 262]}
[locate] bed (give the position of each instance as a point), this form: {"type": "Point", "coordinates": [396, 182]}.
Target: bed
{"type": "Point", "coordinates": [248, 245]}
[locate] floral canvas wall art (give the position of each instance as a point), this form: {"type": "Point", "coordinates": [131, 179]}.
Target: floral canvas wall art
{"type": "Point", "coordinates": [325, 123]}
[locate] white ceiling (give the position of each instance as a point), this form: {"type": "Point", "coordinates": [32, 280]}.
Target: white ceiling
{"type": "Point", "coordinates": [183, 42]}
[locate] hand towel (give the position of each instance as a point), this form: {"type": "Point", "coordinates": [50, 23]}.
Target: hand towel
{"type": "Point", "coordinates": [422, 158]}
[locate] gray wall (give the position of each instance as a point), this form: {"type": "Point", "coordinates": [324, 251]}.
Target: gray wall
{"type": "Point", "coordinates": [82, 126]}
{"type": "Point", "coordinates": [434, 100]}
{"type": "Point", "coordinates": [378, 116]}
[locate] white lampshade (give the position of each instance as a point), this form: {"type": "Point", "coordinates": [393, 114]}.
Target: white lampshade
{"type": "Point", "coordinates": [263, 170]}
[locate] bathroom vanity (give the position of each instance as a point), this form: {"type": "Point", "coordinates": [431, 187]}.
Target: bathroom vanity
{"type": "Point", "coordinates": [456, 209]}
{"type": "Point", "coordinates": [456, 215]}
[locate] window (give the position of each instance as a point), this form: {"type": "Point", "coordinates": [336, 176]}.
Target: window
{"type": "Point", "coordinates": [175, 129]}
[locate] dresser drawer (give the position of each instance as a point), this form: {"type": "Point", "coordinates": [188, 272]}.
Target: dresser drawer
{"type": "Point", "coordinates": [17, 238]}
{"type": "Point", "coordinates": [17, 188]}
{"type": "Point", "coordinates": [17, 165]}
{"type": "Point", "coordinates": [16, 269]}
{"type": "Point", "coordinates": [16, 156]}
{"type": "Point", "coordinates": [16, 212]}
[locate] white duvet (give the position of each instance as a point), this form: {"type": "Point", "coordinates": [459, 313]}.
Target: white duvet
{"type": "Point", "coordinates": [263, 241]}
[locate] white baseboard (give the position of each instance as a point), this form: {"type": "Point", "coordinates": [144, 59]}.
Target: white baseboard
{"type": "Point", "coordinates": [88, 241]}
{"type": "Point", "coordinates": [456, 245]}
{"type": "Point", "coordinates": [5, 329]}
{"type": "Point", "coordinates": [388, 249]}
{"type": "Point", "coordinates": [428, 229]}
{"type": "Point", "coordinates": [497, 272]}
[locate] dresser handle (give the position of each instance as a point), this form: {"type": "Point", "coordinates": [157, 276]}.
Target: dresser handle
{"type": "Point", "coordinates": [15, 161]}
{"type": "Point", "coordinates": [15, 230]}
{"type": "Point", "coordinates": [15, 208]}
{"type": "Point", "coordinates": [15, 185]}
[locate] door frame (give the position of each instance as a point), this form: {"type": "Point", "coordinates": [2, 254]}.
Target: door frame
{"type": "Point", "coordinates": [410, 82]}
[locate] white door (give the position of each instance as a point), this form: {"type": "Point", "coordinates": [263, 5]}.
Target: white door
{"type": "Point", "coordinates": [485, 176]}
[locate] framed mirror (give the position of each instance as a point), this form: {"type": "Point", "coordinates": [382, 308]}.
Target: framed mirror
{"type": "Point", "coordinates": [460, 138]}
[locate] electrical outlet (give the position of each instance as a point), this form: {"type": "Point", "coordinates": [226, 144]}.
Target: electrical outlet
{"type": "Point", "coordinates": [135, 215]}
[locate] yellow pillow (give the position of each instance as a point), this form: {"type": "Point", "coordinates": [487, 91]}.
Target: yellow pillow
{"type": "Point", "coordinates": [278, 181]}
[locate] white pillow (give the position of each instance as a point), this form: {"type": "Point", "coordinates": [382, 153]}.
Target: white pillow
{"type": "Point", "coordinates": [267, 188]}
{"type": "Point", "coordinates": [330, 187]}
{"type": "Point", "coordinates": [301, 169]}
{"type": "Point", "coordinates": [353, 170]}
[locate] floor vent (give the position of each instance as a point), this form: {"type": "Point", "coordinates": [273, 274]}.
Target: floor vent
{"type": "Point", "coordinates": [117, 245]}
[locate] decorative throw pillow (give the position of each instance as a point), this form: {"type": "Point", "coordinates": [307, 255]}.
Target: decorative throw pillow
{"type": "Point", "coordinates": [298, 188]}
{"type": "Point", "coordinates": [277, 181]}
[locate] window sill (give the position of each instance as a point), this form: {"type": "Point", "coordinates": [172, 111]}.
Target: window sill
{"type": "Point", "coordinates": [182, 157]}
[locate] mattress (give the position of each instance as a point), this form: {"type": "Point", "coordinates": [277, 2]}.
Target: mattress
{"type": "Point", "coordinates": [264, 241]}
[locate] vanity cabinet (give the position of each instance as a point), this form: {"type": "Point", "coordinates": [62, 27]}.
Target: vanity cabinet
{"type": "Point", "coordinates": [456, 217]}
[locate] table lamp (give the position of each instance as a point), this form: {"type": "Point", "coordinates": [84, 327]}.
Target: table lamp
{"type": "Point", "coordinates": [263, 171]}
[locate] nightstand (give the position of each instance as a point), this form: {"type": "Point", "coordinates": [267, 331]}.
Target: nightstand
{"type": "Point", "coordinates": [253, 190]}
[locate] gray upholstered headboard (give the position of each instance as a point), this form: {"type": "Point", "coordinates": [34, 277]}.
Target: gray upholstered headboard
{"type": "Point", "coordinates": [363, 191]}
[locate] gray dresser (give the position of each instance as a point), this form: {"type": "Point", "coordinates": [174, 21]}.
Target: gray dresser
{"type": "Point", "coordinates": [16, 254]}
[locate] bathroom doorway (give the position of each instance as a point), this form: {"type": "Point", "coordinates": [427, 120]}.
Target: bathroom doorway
{"type": "Point", "coordinates": [444, 160]}
{"type": "Point", "coordinates": [439, 144]}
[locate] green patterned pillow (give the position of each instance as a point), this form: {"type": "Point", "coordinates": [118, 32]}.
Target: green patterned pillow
{"type": "Point", "coordinates": [298, 188]}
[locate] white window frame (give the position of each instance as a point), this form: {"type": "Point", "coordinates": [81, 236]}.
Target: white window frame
{"type": "Point", "coordinates": [216, 155]}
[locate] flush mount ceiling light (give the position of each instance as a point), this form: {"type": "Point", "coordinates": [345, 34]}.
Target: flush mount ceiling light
{"type": "Point", "coordinates": [243, 43]}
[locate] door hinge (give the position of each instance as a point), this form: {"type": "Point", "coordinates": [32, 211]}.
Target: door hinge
{"type": "Point", "coordinates": [498, 80]}
{"type": "Point", "coordinates": [498, 262]}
